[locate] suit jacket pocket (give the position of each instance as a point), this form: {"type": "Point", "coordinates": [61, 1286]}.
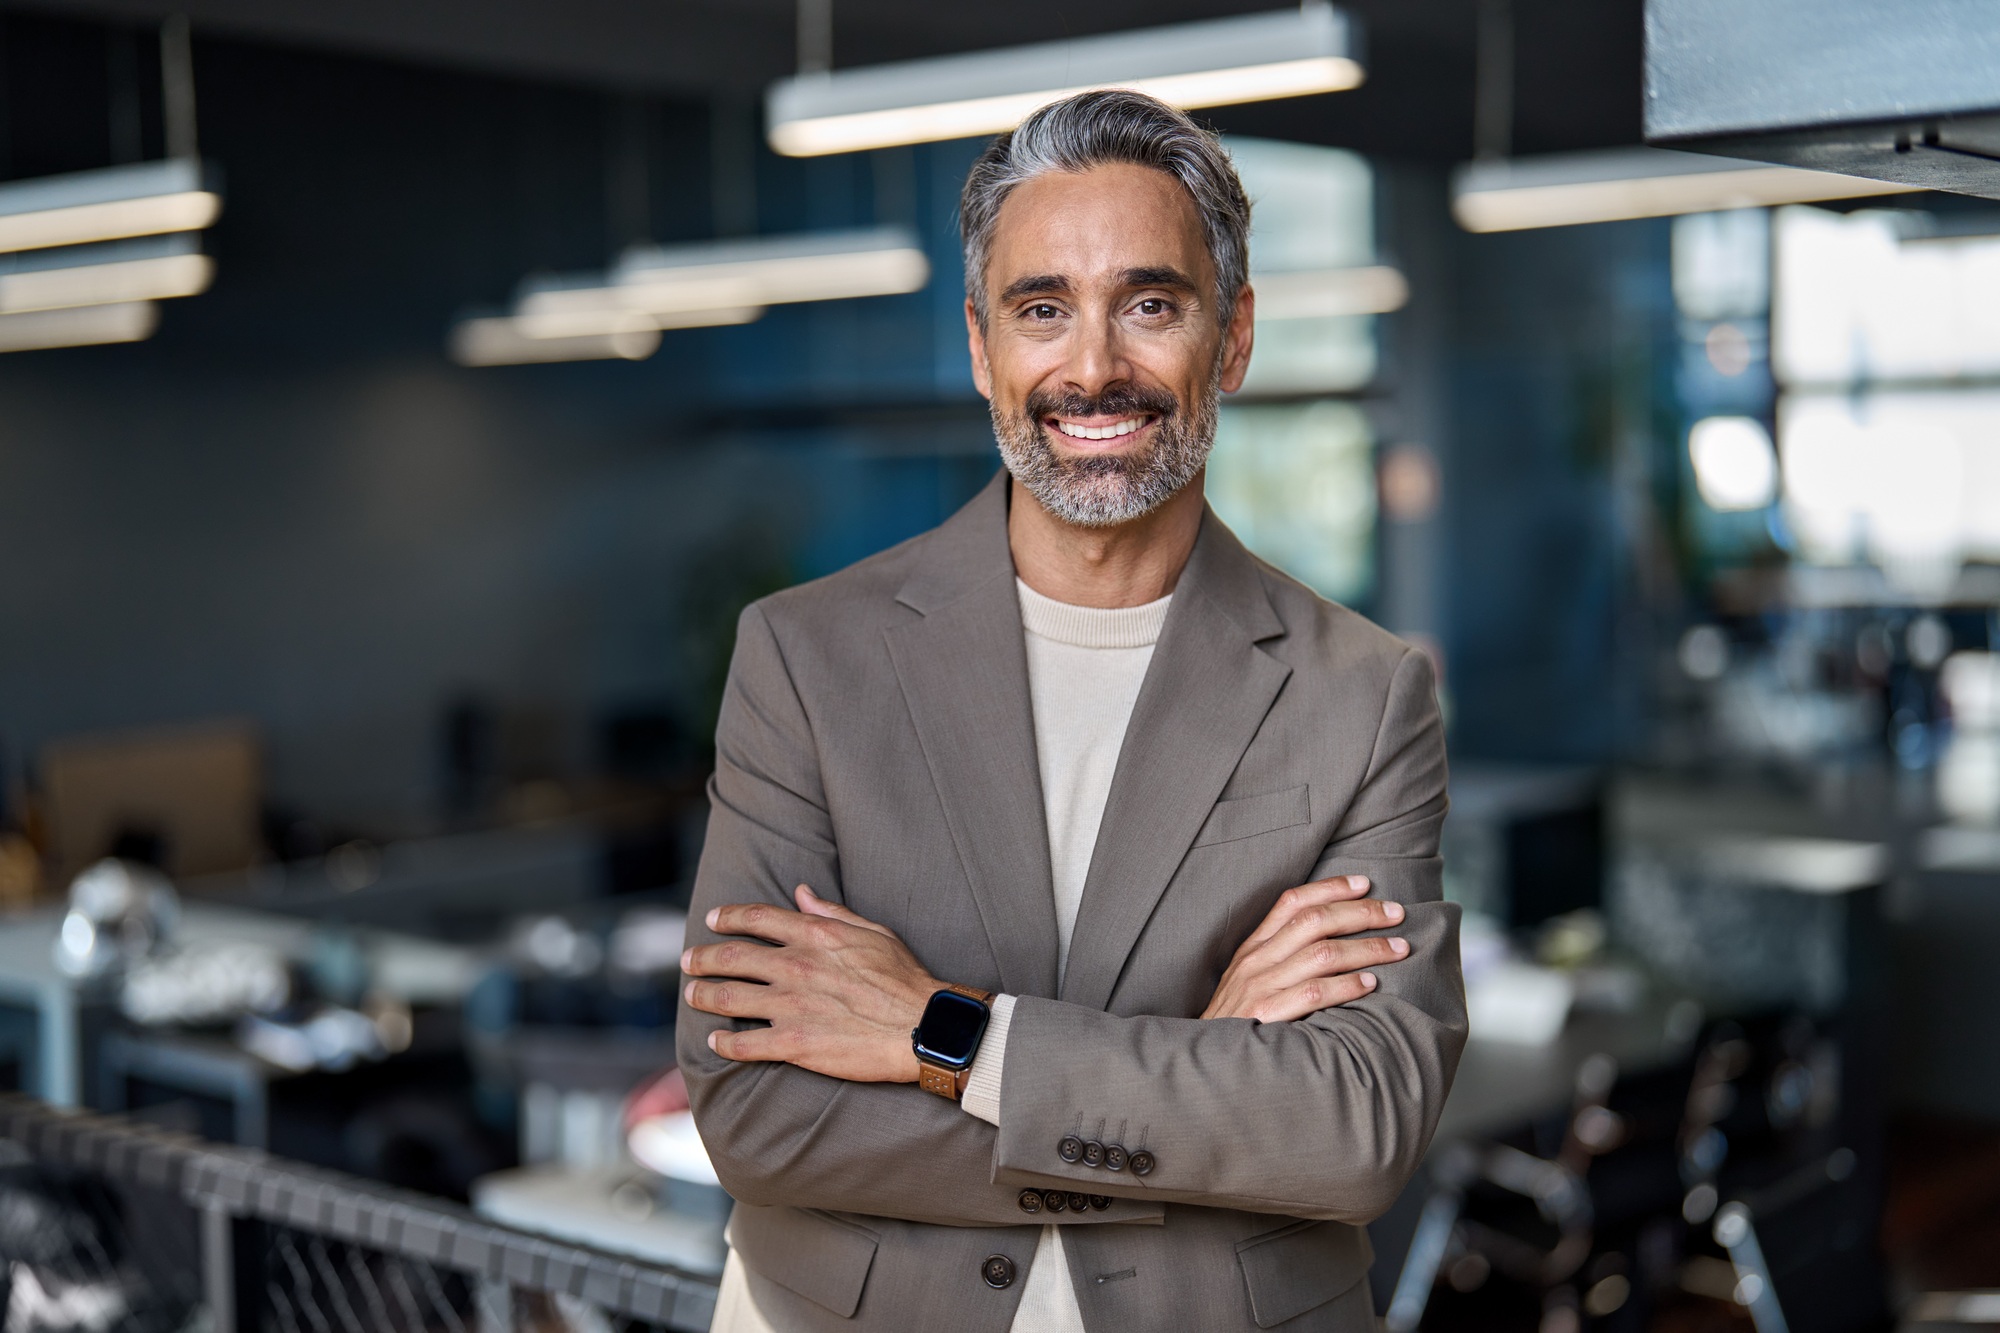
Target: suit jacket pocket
{"type": "Point", "coordinates": [1251, 815]}
{"type": "Point", "coordinates": [821, 1257]}
{"type": "Point", "coordinates": [1300, 1267]}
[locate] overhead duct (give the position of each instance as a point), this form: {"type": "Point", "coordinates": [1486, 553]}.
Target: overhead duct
{"type": "Point", "coordinates": [1904, 91]}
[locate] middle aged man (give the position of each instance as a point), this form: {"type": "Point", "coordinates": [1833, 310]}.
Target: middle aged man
{"type": "Point", "coordinates": [1048, 849]}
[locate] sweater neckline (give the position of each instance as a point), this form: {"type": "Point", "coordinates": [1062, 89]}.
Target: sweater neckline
{"type": "Point", "coordinates": [1092, 626]}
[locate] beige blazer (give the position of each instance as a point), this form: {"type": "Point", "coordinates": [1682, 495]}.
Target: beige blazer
{"type": "Point", "coordinates": [875, 742]}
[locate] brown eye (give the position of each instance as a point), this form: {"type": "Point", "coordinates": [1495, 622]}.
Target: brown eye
{"type": "Point", "coordinates": [1041, 312]}
{"type": "Point", "coordinates": [1152, 305]}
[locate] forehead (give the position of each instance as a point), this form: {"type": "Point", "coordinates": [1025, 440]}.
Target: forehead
{"type": "Point", "coordinates": [1098, 222]}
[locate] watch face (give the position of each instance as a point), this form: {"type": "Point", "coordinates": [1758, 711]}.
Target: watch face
{"type": "Point", "coordinates": [950, 1031]}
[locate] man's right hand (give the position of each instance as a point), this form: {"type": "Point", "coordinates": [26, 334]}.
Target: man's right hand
{"type": "Point", "coordinates": [1297, 962]}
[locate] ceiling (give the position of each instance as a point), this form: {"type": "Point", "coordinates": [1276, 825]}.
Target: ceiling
{"type": "Point", "coordinates": [1577, 69]}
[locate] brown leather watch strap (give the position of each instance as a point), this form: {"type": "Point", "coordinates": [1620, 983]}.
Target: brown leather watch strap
{"type": "Point", "coordinates": [950, 1083]}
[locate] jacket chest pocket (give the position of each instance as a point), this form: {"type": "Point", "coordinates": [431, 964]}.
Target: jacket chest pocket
{"type": "Point", "coordinates": [1301, 1267]}
{"type": "Point", "coordinates": [1248, 816]}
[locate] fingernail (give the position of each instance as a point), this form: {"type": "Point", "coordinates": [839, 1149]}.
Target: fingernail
{"type": "Point", "coordinates": [687, 992]}
{"type": "Point", "coordinates": [1368, 981]}
{"type": "Point", "coordinates": [806, 889]}
{"type": "Point", "coordinates": [1359, 883]}
{"type": "Point", "coordinates": [687, 956]}
{"type": "Point", "coordinates": [1399, 947]}
{"type": "Point", "coordinates": [1394, 911]}
{"type": "Point", "coordinates": [713, 913]}
{"type": "Point", "coordinates": [711, 1039]}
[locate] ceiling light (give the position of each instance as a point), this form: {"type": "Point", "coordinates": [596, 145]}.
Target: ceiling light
{"type": "Point", "coordinates": [499, 341]}
{"type": "Point", "coordinates": [1734, 465]}
{"type": "Point", "coordinates": [111, 283]}
{"type": "Point", "coordinates": [1327, 293]}
{"type": "Point", "coordinates": [1564, 189]}
{"type": "Point", "coordinates": [596, 312]}
{"type": "Point", "coordinates": [128, 323]}
{"type": "Point", "coordinates": [1218, 62]}
{"type": "Point", "coordinates": [145, 199]}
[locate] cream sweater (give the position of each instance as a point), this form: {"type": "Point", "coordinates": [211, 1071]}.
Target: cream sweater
{"type": "Point", "coordinates": [1085, 666]}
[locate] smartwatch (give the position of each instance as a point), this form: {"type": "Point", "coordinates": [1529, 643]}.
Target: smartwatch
{"type": "Point", "coordinates": [947, 1038]}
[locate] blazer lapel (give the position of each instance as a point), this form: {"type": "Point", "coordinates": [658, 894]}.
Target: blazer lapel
{"type": "Point", "coordinates": [963, 669]}
{"type": "Point", "coordinates": [1206, 692]}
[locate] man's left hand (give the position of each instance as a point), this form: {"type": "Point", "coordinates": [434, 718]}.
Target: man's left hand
{"type": "Point", "coordinates": [840, 993]}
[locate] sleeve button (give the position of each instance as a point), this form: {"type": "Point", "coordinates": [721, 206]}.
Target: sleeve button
{"type": "Point", "coordinates": [1142, 1163]}
{"type": "Point", "coordinates": [1079, 1203]}
{"type": "Point", "coordinates": [1114, 1157]}
{"type": "Point", "coordinates": [1055, 1200]}
{"type": "Point", "coordinates": [1070, 1148]}
{"type": "Point", "coordinates": [1101, 1202]}
{"type": "Point", "coordinates": [1093, 1153]}
{"type": "Point", "coordinates": [1031, 1201]}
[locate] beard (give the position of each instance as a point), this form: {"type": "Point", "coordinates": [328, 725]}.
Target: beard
{"type": "Point", "coordinates": [1104, 490]}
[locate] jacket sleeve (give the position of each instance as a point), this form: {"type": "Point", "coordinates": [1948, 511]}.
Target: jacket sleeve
{"type": "Point", "coordinates": [1326, 1117]}
{"type": "Point", "coordinates": [777, 1134]}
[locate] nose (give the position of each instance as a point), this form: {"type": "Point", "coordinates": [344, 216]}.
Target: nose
{"type": "Point", "coordinates": [1097, 359]}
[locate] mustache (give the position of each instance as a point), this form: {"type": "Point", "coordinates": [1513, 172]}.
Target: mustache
{"type": "Point", "coordinates": [1124, 401]}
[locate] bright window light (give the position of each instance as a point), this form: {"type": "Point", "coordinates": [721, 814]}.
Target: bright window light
{"type": "Point", "coordinates": [1218, 62]}
{"type": "Point", "coordinates": [84, 207]}
{"type": "Point", "coordinates": [1296, 481]}
{"type": "Point", "coordinates": [89, 325]}
{"type": "Point", "coordinates": [1734, 464]}
{"type": "Point", "coordinates": [1565, 189]}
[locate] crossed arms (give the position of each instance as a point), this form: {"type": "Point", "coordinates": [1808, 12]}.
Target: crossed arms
{"type": "Point", "coordinates": [1309, 1087]}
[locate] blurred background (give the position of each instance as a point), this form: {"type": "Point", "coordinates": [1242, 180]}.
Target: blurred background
{"type": "Point", "coordinates": [399, 402]}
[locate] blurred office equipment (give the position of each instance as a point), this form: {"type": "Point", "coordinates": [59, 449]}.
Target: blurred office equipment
{"type": "Point", "coordinates": [194, 790]}
{"type": "Point", "coordinates": [1526, 843]}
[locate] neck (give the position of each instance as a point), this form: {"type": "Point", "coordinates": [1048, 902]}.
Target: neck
{"type": "Point", "coordinates": [1129, 565]}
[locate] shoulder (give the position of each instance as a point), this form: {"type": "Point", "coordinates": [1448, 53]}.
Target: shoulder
{"type": "Point", "coordinates": [860, 599]}
{"type": "Point", "coordinates": [1325, 639]}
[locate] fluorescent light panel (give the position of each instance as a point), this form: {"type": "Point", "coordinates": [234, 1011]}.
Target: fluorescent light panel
{"type": "Point", "coordinates": [127, 323]}
{"type": "Point", "coordinates": [1565, 189]}
{"type": "Point", "coordinates": [145, 199]}
{"type": "Point", "coordinates": [1218, 62]}
{"type": "Point", "coordinates": [499, 341]}
{"type": "Point", "coordinates": [154, 279]}
{"type": "Point", "coordinates": [1329, 293]}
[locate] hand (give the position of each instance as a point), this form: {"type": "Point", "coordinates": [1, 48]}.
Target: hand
{"type": "Point", "coordinates": [840, 993]}
{"type": "Point", "coordinates": [1296, 963]}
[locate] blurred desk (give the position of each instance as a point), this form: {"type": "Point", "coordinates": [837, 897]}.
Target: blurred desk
{"type": "Point", "coordinates": [608, 1208]}
{"type": "Point", "coordinates": [1502, 1086]}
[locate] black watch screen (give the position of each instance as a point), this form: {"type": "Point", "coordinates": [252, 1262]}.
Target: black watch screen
{"type": "Point", "coordinates": [949, 1032]}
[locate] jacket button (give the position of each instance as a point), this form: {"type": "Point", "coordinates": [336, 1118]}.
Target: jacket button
{"type": "Point", "coordinates": [998, 1270]}
{"type": "Point", "coordinates": [1079, 1203]}
{"type": "Point", "coordinates": [1055, 1200]}
{"type": "Point", "coordinates": [1142, 1163]}
{"type": "Point", "coordinates": [1070, 1148]}
{"type": "Point", "coordinates": [1093, 1153]}
{"type": "Point", "coordinates": [1031, 1201]}
{"type": "Point", "coordinates": [1114, 1156]}
{"type": "Point", "coordinates": [1101, 1202]}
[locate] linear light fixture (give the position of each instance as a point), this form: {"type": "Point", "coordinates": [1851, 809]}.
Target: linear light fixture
{"type": "Point", "coordinates": [1329, 292]}
{"type": "Point", "coordinates": [156, 269]}
{"type": "Point", "coordinates": [126, 323]}
{"type": "Point", "coordinates": [83, 207]}
{"type": "Point", "coordinates": [1565, 189]}
{"type": "Point", "coordinates": [1314, 48]}
{"type": "Point", "coordinates": [498, 341]}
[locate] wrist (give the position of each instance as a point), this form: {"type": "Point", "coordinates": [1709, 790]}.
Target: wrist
{"type": "Point", "coordinates": [946, 1038]}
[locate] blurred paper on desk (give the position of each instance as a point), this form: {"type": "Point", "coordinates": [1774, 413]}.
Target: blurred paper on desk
{"type": "Point", "coordinates": [1519, 1003]}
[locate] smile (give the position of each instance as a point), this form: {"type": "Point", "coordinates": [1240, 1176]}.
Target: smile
{"type": "Point", "coordinates": [1077, 431]}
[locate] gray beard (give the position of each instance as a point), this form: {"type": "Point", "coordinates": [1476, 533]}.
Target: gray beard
{"type": "Point", "coordinates": [1100, 491]}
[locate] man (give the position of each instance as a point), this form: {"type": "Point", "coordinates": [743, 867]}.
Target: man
{"type": "Point", "coordinates": [1068, 945]}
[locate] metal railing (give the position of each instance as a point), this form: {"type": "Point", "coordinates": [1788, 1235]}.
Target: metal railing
{"type": "Point", "coordinates": [107, 1223]}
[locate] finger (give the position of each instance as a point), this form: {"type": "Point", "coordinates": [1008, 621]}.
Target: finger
{"type": "Point", "coordinates": [814, 905]}
{"type": "Point", "coordinates": [734, 999]}
{"type": "Point", "coordinates": [733, 958]}
{"type": "Point", "coordinates": [1333, 958]}
{"type": "Point", "coordinates": [1335, 919]}
{"type": "Point", "coordinates": [754, 1044]}
{"type": "Point", "coordinates": [1312, 996]}
{"type": "Point", "coordinates": [1340, 888]}
{"type": "Point", "coordinates": [762, 920]}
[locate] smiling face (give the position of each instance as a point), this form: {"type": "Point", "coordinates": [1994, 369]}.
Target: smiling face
{"type": "Point", "coordinates": [1104, 348]}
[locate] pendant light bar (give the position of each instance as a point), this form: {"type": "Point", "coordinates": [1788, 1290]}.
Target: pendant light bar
{"type": "Point", "coordinates": [1314, 48]}
{"type": "Point", "coordinates": [84, 207]}
{"type": "Point", "coordinates": [1327, 293]}
{"type": "Point", "coordinates": [1566, 189]}
{"type": "Point", "coordinates": [83, 327]}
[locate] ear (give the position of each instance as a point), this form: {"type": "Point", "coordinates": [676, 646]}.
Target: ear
{"type": "Point", "coordinates": [1241, 333]}
{"type": "Point", "coordinates": [975, 341]}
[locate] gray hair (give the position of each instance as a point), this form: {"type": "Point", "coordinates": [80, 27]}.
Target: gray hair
{"type": "Point", "coordinates": [1099, 127]}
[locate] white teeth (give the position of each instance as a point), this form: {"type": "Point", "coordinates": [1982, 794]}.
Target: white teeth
{"type": "Point", "coordinates": [1125, 427]}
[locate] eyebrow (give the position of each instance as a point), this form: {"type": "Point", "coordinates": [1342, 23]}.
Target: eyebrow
{"type": "Point", "coordinates": [1163, 275]}
{"type": "Point", "coordinates": [1042, 284]}
{"type": "Point", "coordinates": [1055, 284]}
